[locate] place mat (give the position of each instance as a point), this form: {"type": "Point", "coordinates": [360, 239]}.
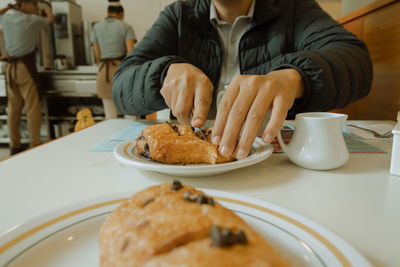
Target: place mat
{"type": "Point", "coordinates": [353, 142]}
{"type": "Point", "coordinates": [132, 131]}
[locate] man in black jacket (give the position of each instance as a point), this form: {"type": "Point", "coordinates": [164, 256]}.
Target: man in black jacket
{"type": "Point", "coordinates": [250, 56]}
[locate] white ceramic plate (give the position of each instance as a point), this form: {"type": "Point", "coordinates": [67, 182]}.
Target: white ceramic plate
{"type": "Point", "coordinates": [68, 237]}
{"type": "Point", "coordinates": [124, 153]}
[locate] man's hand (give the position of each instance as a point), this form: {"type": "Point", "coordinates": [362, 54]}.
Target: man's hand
{"type": "Point", "coordinates": [49, 14]}
{"type": "Point", "coordinates": [187, 88]}
{"type": "Point", "coordinates": [245, 104]}
{"type": "Point", "coordinates": [8, 7]}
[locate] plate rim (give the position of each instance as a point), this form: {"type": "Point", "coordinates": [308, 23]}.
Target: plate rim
{"type": "Point", "coordinates": [343, 251]}
{"type": "Point", "coordinates": [125, 158]}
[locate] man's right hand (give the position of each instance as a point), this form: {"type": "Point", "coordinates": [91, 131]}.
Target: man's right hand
{"type": "Point", "coordinates": [49, 14]}
{"type": "Point", "coordinates": [185, 89]}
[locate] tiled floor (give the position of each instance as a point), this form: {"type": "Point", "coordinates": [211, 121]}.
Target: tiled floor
{"type": "Point", "coordinates": [4, 152]}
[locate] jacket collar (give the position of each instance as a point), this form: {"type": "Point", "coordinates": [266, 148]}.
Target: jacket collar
{"type": "Point", "coordinates": [214, 15]}
{"type": "Point", "coordinates": [265, 10]}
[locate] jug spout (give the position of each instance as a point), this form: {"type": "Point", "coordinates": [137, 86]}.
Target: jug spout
{"type": "Point", "coordinates": [342, 117]}
{"type": "Point", "coordinates": [284, 147]}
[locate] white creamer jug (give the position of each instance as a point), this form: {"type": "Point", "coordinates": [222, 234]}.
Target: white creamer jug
{"type": "Point", "coordinates": [318, 141]}
{"type": "Point", "coordinates": [395, 162]}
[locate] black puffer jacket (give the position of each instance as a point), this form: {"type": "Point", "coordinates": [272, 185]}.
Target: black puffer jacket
{"type": "Point", "coordinates": [298, 34]}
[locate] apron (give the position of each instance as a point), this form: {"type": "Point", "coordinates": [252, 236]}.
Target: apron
{"type": "Point", "coordinates": [30, 64]}
{"type": "Point", "coordinates": [106, 62]}
{"type": "Point", "coordinates": [104, 84]}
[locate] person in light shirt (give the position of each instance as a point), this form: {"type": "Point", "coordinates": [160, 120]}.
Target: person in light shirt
{"type": "Point", "coordinates": [112, 39]}
{"type": "Point", "coordinates": [22, 32]}
{"type": "Point", "coordinates": [236, 61]}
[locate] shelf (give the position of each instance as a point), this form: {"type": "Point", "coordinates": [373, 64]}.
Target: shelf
{"type": "Point", "coordinates": [23, 118]}
{"type": "Point", "coordinates": [57, 118]}
{"type": "Point", "coordinates": [67, 118]}
{"type": "Point", "coordinates": [5, 117]}
{"type": "Point", "coordinates": [6, 140]}
{"type": "Point", "coordinates": [56, 114]}
{"type": "Point", "coordinates": [67, 94]}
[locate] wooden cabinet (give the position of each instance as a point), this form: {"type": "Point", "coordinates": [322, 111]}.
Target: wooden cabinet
{"type": "Point", "coordinates": [378, 25]}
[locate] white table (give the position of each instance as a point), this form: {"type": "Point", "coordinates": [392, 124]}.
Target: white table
{"type": "Point", "coordinates": [359, 201]}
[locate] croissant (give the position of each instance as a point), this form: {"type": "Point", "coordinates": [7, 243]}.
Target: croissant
{"type": "Point", "coordinates": [178, 144]}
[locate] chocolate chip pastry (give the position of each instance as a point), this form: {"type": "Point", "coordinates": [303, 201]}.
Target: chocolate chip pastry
{"type": "Point", "coordinates": [178, 144]}
{"type": "Point", "coordinates": [176, 225]}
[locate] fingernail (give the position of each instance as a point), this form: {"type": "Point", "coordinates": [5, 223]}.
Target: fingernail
{"type": "Point", "coordinates": [224, 151]}
{"type": "Point", "coordinates": [241, 154]}
{"type": "Point", "coordinates": [216, 140]}
{"type": "Point", "coordinates": [267, 138]}
{"type": "Point", "coordinates": [197, 122]}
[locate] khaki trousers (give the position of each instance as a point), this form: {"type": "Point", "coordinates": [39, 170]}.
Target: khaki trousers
{"type": "Point", "coordinates": [24, 93]}
{"type": "Point", "coordinates": [110, 110]}
{"type": "Point", "coordinates": [104, 86]}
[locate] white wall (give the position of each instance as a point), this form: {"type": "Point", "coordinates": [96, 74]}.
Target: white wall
{"type": "Point", "coordinates": [349, 6]}
{"type": "Point", "coordinates": [332, 7]}
{"type": "Point", "coordinates": [3, 3]}
{"type": "Point", "coordinates": [139, 13]}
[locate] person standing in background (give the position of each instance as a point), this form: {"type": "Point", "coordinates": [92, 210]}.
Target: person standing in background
{"type": "Point", "coordinates": [112, 40]}
{"type": "Point", "coordinates": [46, 39]}
{"type": "Point", "coordinates": [3, 50]}
{"type": "Point", "coordinates": [22, 31]}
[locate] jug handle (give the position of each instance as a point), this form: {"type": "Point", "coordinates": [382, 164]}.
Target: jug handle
{"type": "Point", "coordinates": [280, 139]}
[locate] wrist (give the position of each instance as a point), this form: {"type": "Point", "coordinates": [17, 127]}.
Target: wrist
{"type": "Point", "coordinates": [298, 82]}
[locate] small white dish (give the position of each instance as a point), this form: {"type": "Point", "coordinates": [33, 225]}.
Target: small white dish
{"type": "Point", "coordinates": [68, 236]}
{"type": "Point", "coordinates": [124, 153]}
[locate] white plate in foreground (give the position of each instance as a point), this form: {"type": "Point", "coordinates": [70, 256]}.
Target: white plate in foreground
{"type": "Point", "coordinates": [124, 153]}
{"type": "Point", "coordinates": [68, 237]}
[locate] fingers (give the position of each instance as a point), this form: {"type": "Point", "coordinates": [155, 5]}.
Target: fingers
{"type": "Point", "coordinates": [278, 116]}
{"type": "Point", "coordinates": [186, 88]}
{"type": "Point", "coordinates": [202, 103]}
{"type": "Point", "coordinates": [166, 95]}
{"type": "Point", "coordinates": [254, 120]}
{"type": "Point", "coordinates": [247, 101]}
{"type": "Point", "coordinates": [236, 118]}
{"type": "Point", "coordinates": [179, 101]}
{"type": "Point", "coordinates": [183, 106]}
{"type": "Point", "coordinates": [224, 108]}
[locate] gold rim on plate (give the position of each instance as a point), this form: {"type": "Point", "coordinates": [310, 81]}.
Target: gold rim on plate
{"type": "Point", "coordinates": [334, 250]}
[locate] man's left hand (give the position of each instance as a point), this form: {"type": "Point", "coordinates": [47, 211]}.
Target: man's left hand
{"type": "Point", "coordinates": [245, 104]}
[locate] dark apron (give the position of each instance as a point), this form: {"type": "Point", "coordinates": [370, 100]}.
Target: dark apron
{"type": "Point", "coordinates": [106, 63]}
{"type": "Point", "coordinates": [30, 64]}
